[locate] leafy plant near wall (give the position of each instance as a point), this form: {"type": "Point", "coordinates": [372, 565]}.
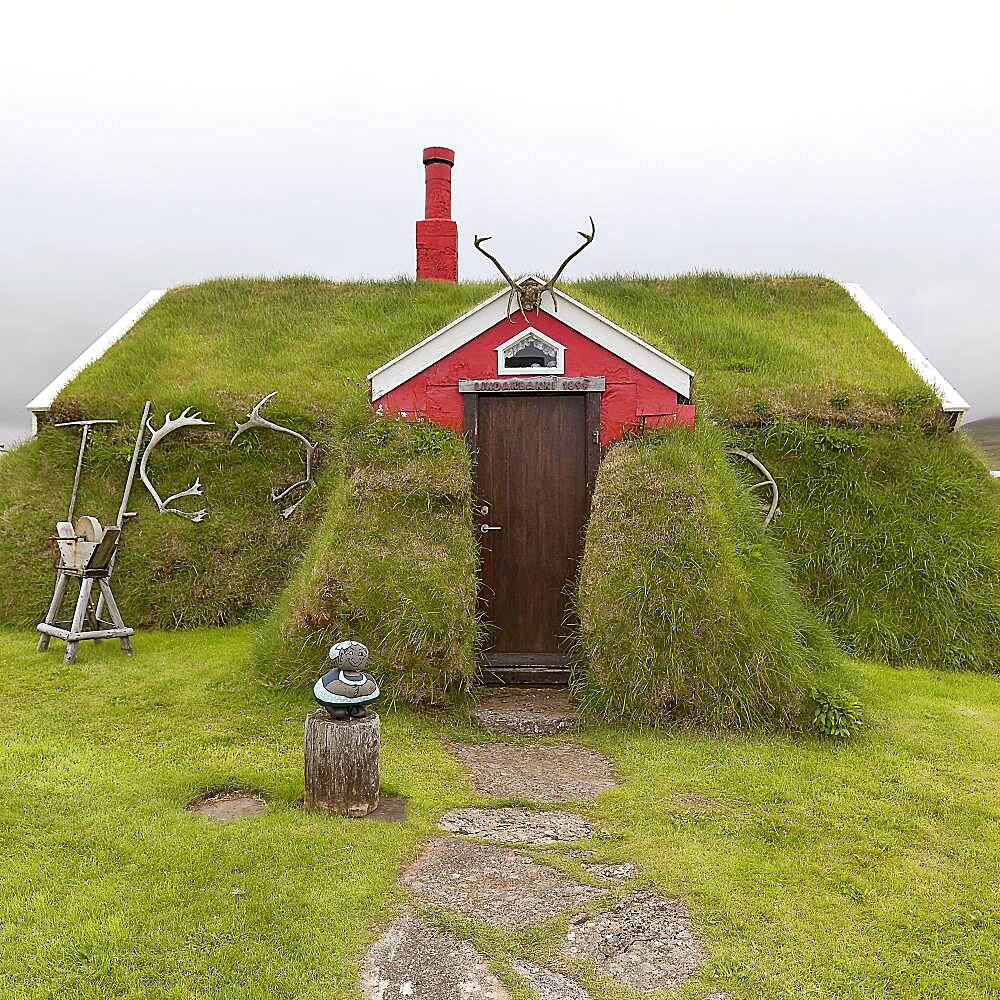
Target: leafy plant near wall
{"type": "Point", "coordinates": [687, 608]}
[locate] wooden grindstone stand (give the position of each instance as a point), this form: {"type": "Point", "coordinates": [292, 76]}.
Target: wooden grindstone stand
{"type": "Point", "coordinates": [342, 764]}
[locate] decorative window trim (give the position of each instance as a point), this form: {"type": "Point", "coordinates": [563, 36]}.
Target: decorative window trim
{"type": "Point", "coordinates": [558, 369]}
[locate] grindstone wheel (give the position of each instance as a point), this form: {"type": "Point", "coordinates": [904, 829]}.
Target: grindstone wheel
{"type": "Point", "coordinates": [766, 490]}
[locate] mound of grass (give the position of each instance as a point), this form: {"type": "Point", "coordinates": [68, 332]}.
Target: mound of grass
{"type": "Point", "coordinates": [687, 609]}
{"type": "Point", "coordinates": [392, 564]}
{"type": "Point", "coordinates": [219, 346]}
{"type": "Point", "coordinates": [895, 538]}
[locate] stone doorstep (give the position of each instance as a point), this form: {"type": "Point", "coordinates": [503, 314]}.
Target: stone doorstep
{"type": "Point", "coordinates": [525, 711]}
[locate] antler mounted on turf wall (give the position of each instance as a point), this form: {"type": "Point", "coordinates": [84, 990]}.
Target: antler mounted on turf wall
{"type": "Point", "coordinates": [257, 421]}
{"type": "Point", "coordinates": [528, 291]}
{"type": "Point", "coordinates": [171, 424]}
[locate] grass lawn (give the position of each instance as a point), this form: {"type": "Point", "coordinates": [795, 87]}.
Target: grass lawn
{"type": "Point", "coordinates": [812, 869]}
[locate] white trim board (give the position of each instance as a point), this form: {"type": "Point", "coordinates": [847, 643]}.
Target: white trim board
{"type": "Point", "coordinates": [951, 399]}
{"type": "Point", "coordinates": [42, 403]}
{"type": "Point", "coordinates": [590, 324]}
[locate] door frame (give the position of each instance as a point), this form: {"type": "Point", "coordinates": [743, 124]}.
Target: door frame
{"type": "Point", "coordinates": [556, 667]}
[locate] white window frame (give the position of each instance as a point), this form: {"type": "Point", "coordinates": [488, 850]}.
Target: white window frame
{"type": "Point", "coordinates": [560, 366]}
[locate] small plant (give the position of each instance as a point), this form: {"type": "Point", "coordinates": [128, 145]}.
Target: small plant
{"type": "Point", "coordinates": [835, 713]}
{"type": "Point", "coordinates": [840, 401]}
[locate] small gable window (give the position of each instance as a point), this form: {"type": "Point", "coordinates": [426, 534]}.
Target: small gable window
{"type": "Point", "coordinates": [530, 353]}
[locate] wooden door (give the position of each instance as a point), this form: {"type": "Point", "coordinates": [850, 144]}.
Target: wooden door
{"type": "Point", "coordinates": [535, 462]}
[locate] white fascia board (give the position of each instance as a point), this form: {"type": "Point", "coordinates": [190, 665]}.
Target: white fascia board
{"type": "Point", "coordinates": [42, 403]}
{"type": "Point", "coordinates": [995, 473]}
{"type": "Point", "coordinates": [951, 399]}
{"type": "Point", "coordinates": [592, 325]}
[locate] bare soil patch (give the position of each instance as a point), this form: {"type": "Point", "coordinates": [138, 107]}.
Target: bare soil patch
{"type": "Point", "coordinates": [225, 806]}
{"type": "Point", "coordinates": [516, 826]}
{"type": "Point", "coordinates": [613, 873]}
{"type": "Point", "coordinates": [645, 943]}
{"type": "Point", "coordinates": [491, 885]}
{"type": "Point", "coordinates": [539, 773]}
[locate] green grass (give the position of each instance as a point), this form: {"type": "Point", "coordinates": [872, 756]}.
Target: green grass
{"type": "Point", "coordinates": [687, 608]}
{"type": "Point", "coordinates": [787, 343]}
{"type": "Point", "coordinates": [894, 538]}
{"type": "Point", "coordinates": [392, 564]}
{"type": "Point", "coordinates": [812, 868]}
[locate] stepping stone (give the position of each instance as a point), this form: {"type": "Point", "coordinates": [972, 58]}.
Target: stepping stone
{"type": "Point", "coordinates": [645, 943]}
{"type": "Point", "coordinates": [613, 873]}
{"type": "Point", "coordinates": [516, 826]}
{"type": "Point", "coordinates": [549, 985]}
{"type": "Point", "coordinates": [537, 773]}
{"type": "Point", "coordinates": [491, 885]}
{"type": "Point", "coordinates": [415, 960]}
{"type": "Point", "coordinates": [520, 711]}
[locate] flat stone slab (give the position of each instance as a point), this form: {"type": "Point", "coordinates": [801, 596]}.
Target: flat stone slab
{"type": "Point", "coordinates": [537, 773]}
{"type": "Point", "coordinates": [516, 826]}
{"type": "Point", "coordinates": [522, 711]}
{"type": "Point", "coordinates": [224, 807]}
{"type": "Point", "coordinates": [613, 873]}
{"type": "Point", "coordinates": [491, 885]}
{"type": "Point", "coordinates": [413, 959]}
{"type": "Point", "coordinates": [549, 985]}
{"type": "Point", "coordinates": [646, 942]}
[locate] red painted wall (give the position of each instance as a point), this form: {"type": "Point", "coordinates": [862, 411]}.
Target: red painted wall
{"type": "Point", "coordinates": [629, 394]}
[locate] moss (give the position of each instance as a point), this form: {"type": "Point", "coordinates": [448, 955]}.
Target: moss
{"type": "Point", "coordinates": [687, 609]}
{"type": "Point", "coordinates": [392, 564]}
{"type": "Point", "coordinates": [894, 537]}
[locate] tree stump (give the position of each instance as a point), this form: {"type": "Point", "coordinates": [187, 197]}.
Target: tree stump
{"type": "Point", "coordinates": [342, 764]}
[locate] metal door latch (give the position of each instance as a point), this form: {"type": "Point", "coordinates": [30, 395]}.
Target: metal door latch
{"type": "Point", "coordinates": [490, 527]}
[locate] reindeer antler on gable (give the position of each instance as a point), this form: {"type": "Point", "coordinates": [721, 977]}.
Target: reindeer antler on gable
{"type": "Point", "coordinates": [528, 291]}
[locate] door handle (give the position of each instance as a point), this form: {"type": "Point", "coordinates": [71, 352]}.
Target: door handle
{"type": "Point", "coordinates": [490, 527]}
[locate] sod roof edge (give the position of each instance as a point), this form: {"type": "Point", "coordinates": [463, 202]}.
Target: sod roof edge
{"type": "Point", "coordinates": [727, 354]}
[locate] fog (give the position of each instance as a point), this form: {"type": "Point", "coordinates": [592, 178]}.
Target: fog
{"type": "Point", "coordinates": [144, 147]}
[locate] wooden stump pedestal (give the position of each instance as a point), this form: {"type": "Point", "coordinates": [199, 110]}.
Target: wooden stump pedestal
{"type": "Point", "coordinates": [342, 764]}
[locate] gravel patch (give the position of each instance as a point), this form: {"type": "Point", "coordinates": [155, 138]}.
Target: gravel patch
{"type": "Point", "coordinates": [491, 885]}
{"type": "Point", "coordinates": [549, 985]}
{"type": "Point", "coordinates": [526, 711]}
{"type": "Point", "coordinates": [646, 942]}
{"type": "Point", "coordinates": [417, 961]}
{"type": "Point", "coordinates": [516, 826]}
{"type": "Point", "coordinates": [539, 773]}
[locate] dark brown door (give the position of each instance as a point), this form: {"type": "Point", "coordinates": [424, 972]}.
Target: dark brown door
{"type": "Point", "coordinates": [532, 477]}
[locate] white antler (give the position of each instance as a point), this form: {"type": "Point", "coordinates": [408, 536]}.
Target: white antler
{"type": "Point", "coordinates": [256, 420]}
{"type": "Point", "coordinates": [187, 418]}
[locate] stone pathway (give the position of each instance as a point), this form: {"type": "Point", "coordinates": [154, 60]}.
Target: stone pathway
{"type": "Point", "coordinates": [537, 773]}
{"type": "Point", "coordinates": [492, 885]}
{"type": "Point", "coordinates": [413, 959]}
{"type": "Point", "coordinates": [644, 941]}
{"type": "Point", "coordinates": [516, 711]}
{"type": "Point", "coordinates": [516, 826]}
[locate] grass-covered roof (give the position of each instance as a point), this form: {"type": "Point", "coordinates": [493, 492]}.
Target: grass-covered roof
{"type": "Point", "coordinates": [788, 345]}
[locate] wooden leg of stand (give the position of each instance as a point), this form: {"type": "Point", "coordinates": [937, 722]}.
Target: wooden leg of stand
{"type": "Point", "coordinates": [116, 615]}
{"type": "Point", "coordinates": [53, 615]}
{"type": "Point", "coordinates": [79, 616]}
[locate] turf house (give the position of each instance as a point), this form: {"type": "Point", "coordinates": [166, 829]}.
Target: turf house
{"type": "Point", "coordinates": [729, 526]}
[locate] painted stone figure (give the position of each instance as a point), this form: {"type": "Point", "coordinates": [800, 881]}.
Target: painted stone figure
{"type": "Point", "coordinates": [346, 689]}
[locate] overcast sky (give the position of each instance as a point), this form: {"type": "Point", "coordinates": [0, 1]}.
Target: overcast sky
{"type": "Point", "coordinates": [143, 146]}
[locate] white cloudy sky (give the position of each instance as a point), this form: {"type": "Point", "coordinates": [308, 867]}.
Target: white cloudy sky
{"type": "Point", "coordinates": [144, 145]}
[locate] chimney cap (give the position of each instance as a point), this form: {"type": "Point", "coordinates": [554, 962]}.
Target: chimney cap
{"type": "Point", "coordinates": [439, 154]}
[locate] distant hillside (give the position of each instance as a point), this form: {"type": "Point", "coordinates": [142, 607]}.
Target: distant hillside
{"type": "Point", "coordinates": [985, 434]}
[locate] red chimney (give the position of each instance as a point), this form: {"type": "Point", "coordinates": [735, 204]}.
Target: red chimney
{"type": "Point", "coordinates": [437, 234]}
